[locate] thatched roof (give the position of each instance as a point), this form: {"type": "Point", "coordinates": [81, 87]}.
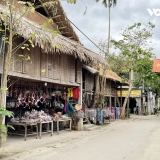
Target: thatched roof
{"type": "Point", "coordinates": [54, 42]}
{"type": "Point", "coordinates": [61, 20]}
{"type": "Point", "coordinates": [113, 76]}
{"type": "Point", "coordinates": [110, 75]}
{"type": "Point", "coordinates": [103, 71]}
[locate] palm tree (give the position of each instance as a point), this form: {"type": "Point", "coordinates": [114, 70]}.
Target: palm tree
{"type": "Point", "coordinates": [108, 4]}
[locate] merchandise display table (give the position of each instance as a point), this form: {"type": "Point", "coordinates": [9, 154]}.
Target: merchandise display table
{"type": "Point", "coordinates": [63, 120]}
{"type": "Point", "coordinates": [25, 125]}
{"type": "Point", "coordinates": [48, 130]}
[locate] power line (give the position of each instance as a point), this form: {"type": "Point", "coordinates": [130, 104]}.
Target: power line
{"type": "Point", "coordinates": [88, 38]}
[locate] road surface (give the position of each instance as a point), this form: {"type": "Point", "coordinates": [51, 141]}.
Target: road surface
{"type": "Point", "coordinates": [133, 139]}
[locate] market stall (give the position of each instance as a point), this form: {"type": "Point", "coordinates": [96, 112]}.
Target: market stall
{"type": "Point", "coordinates": [41, 105]}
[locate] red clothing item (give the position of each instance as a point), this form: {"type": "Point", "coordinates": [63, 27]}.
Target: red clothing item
{"type": "Point", "coordinates": [76, 93]}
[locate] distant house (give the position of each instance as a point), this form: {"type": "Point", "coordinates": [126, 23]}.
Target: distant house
{"type": "Point", "coordinates": [89, 85]}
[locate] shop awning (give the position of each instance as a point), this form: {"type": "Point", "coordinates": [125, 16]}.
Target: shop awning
{"type": "Point", "coordinates": [92, 70]}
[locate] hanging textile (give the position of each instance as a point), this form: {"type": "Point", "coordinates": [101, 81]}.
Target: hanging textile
{"type": "Point", "coordinates": [68, 108]}
{"type": "Point", "coordinates": [76, 93]}
{"type": "Point", "coordinates": [92, 114]}
{"type": "Point", "coordinates": [101, 115]}
{"type": "Point", "coordinates": [70, 92]}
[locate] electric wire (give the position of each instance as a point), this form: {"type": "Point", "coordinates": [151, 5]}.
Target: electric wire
{"type": "Point", "coordinates": [89, 38]}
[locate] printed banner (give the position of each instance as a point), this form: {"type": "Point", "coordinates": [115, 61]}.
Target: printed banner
{"type": "Point", "coordinates": [134, 93]}
{"type": "Point", "coordinates": [156, 65]}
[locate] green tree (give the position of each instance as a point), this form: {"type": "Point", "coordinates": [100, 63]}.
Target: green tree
{"type": "Point", "coordinates": [143, 71]}
{"type": "Point", "coordinates": [117, 63]}
{"type": "Point", "coordinates": [3, 127]}
{"type": "Point", "coordinates": [134, 45]}
{"type": "Point", "coordinates": [108, 4]}
{"type": "Point", "coordinates": [102, 80]}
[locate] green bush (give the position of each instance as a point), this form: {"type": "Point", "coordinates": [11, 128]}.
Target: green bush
{"type": "Point", "coordinates": [3, 127]}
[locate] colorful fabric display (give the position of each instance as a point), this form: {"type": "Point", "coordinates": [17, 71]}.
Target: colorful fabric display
{"type": "Point", "coordinates": [65, 108]}
{"type": "Point", "coordinates": [76, 93]}
{"type": "Point", "coordinates": [32, 117]}
{"type": "Point", "coordinates": [70, 92]}
{"type": "Point", "coordinates": [68, 108]}
{"type": "Point", "coordinates": [92, 114]}
{"type": "Point", "coordinates": [108, 109]}
{"type": "Point", "coordinates": [117, 112]}
{"type": "Point", "coordinates": [101, 115]}
{"type": "Point", "coordinates": [104, 113]}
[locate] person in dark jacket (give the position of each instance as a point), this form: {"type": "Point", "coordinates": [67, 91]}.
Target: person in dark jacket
{"type": "Point", "coordinates": [137, 109]}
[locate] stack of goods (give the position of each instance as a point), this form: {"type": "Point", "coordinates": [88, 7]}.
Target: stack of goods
{"type": "Point", "coordinates": [33, 117]}
{"type": "Point", "coordinates": [65, 116]}
{"type": "Point", "coordinates": [92, 114]}
{"type": "Point", "coordinates": [80, 114]}
{"type": "Point", "coordinates": [77, 114]}
{"type": "Point", "coordinates": [106, 112]}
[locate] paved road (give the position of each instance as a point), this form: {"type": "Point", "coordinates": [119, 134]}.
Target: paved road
{"type": "Point", "coordinates": [134, 139]}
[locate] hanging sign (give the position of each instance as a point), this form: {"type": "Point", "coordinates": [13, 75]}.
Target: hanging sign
{"type": "Point", "coordinates": [134, 93]}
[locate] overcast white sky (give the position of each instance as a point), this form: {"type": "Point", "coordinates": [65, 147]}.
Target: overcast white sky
{"type": "Point", "coordinates": [95, 22]}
